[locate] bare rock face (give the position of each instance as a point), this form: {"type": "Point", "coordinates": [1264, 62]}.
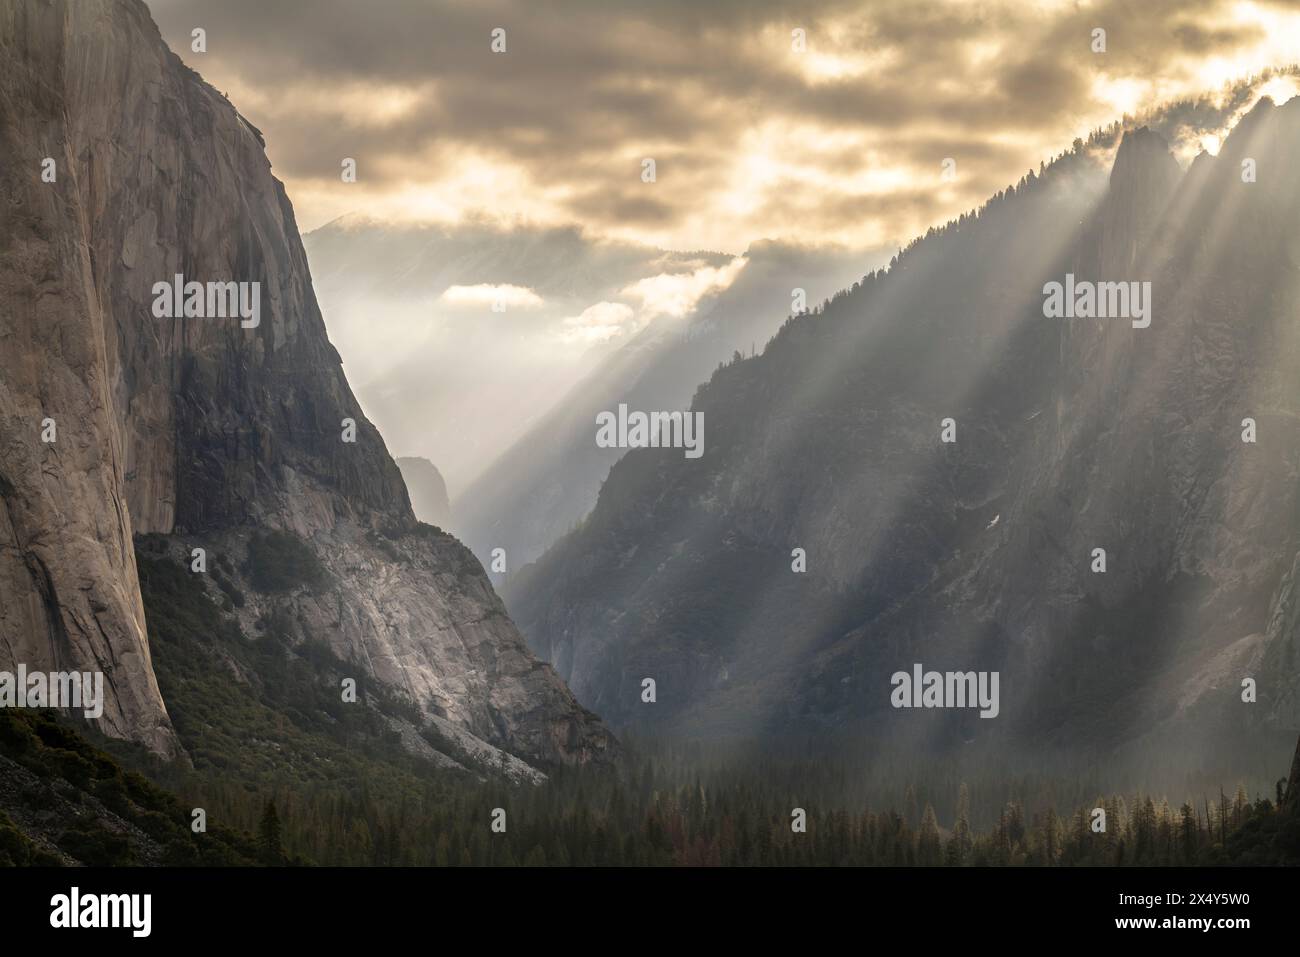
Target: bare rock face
{"type": "Point", "coordinates": [68, 591]}
{"type": "Point", "coordinates": [200, 427]}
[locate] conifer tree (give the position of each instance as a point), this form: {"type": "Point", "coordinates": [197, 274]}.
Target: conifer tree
{"type": "Point", "coordinates": [928, 850]}
{"type": "Point", "coordinates": [961, 834]}
{"type": "Point", "coordinates": [269, 842]}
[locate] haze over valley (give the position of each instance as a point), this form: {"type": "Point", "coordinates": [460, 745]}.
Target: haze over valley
{"type": "Point", "coordinates": [503, 433]}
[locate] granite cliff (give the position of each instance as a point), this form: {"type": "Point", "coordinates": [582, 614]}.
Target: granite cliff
{"type": "Point", "coordinates": [205, 431]}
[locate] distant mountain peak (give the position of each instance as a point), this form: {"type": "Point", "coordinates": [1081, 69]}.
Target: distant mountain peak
{"type": "Point", "coordinates": [427, 489]}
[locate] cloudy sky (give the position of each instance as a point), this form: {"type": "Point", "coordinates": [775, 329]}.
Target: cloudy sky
{"type": "Point", "coordinates": [501, 241]}
{"type": "Point", "coordinates": [752, 138]}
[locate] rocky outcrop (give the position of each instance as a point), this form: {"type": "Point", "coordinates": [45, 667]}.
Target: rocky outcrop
{"type": "Point", "coordinates": [205, 429]}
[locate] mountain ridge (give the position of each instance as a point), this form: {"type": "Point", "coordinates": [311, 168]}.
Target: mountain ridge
{"type": "Point", "coordinates": [974, 552]}
{"type": "Point", "coordinates": [546, 482]}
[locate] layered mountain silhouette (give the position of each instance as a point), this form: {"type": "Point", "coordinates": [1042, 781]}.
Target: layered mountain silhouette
{"type": "Point", "coordinates": [981, 554]}
{"type": "Point", "coordinates": [204, 433]}
{"type": "Point", "coordinates": [427, 489]}
{"type": "Point", "coordinates": [459, 380]}
{"type": "Point", "coordinates": [546, 482]}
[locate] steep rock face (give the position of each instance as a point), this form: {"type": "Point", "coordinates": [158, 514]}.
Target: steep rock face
{"type": "Point", "coordinates": [201, 427]}
{"type": "Point", "coordinates": [1071, 435]}
{"type": "Point", "coordinates": [68, 594]}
